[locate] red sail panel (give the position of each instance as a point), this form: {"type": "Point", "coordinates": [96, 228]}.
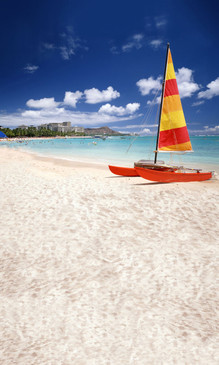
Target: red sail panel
{"type": "Point", "coordinates": [171, 88]}
{"type": "Point", "coordinates": [173, 137]}
{"type": "Point", "coordinates": [173, 130]}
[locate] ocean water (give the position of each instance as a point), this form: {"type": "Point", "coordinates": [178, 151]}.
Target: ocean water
{"type": "Point", "coordinates": [122, 150]}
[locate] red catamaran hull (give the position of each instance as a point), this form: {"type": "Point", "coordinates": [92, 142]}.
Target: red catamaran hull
{"type": "Point", "coordinates": [131, 171]}
{"type": "Point", "coordinates": [123, 171]}
{"type": "Point", "coordinates": [172, 176]}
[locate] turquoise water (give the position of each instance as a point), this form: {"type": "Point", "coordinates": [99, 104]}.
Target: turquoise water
{"type": "Point", "coordinates": [124, 150]}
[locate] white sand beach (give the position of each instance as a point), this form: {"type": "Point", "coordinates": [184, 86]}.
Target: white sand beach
{"type": "Point", "coordinates": [98, 269]}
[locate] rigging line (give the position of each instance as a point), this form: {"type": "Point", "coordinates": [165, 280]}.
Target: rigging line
{"type": "Point", "coordinates": [152, 141]}
{"type": "Point", "coordinates": [146, 119]}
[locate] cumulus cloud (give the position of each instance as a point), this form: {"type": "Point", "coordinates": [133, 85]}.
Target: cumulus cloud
{"type": "Point", "coordinates": [134, 42]}
{"type": "Point", "coordinates": [114, 110]}
{"type": "Point", "coordinates": [187, 86]}
{"type": "Point", "coordinates": [212, 90]}
{"type": "Point", "coordinates": [71, 98]}
{"type": "Point", "coordinates": [146, 131]}
{"type": "Point", "coordinates": [42, 103]}
{"type": "Point", "coordinates": [94, 96]}
{"type": "Point", "coordinates": [132, 107]}
{"type": "Point", "coordinates": [30, 68]}
{"type": "Point", "coordinates": [146, 86]}
{"type": "Point", "coordinates": [43, 113]}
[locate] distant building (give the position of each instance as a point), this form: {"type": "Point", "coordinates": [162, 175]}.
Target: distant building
{"type": "Point", "coordinates": [78, 129]}
{"type": "Point", "coordinates": [23, 126]}
{"type": "Point", "coordinates": [61, 127]}
{"type": "Point", "coordinates": [42, 126]}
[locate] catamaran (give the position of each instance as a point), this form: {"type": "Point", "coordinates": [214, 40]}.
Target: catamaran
{"type": "Point", "coordinates": [172, 136]}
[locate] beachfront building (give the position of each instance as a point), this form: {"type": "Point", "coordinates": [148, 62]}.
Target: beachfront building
{"type": "Point", "coordinates": [61, 127]}
{"type": "Point", "coordinates": [78, 129]}
{"type": "Point", "coordinates": [23, 126]}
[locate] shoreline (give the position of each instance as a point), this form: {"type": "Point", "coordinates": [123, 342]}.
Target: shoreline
{"type": "Point", "coordinates": [90, 161]}
{"type": "Point", "coordinates": [90, 164]}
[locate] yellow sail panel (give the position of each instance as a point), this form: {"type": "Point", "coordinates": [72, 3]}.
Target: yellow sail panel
{"type": "Point", "coordinates": [178, 147]}
{"type": "Point", "coordinates": [169, 60]}
{"type": "Point", "coordinates": [172, 120]}
{"type": "Point", "coordinates": [173, 135]}
{"type": "Point", "coordinates": [170, 72]}
{"type": "Point", "coordinates": [172, 103]}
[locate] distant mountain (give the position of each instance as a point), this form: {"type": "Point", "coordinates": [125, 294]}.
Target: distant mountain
{"type": "Point", "coordinates": [101, 131]}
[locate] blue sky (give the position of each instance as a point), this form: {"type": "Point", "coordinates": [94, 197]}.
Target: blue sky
{"type": "Point", "coordinates": [98, 63]}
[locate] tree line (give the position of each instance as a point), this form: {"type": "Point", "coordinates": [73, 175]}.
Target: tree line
{"type": "Point", "coordinates": [34, 132]}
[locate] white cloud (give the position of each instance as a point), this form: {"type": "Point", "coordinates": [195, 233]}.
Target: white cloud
{"type": "Point", "coordinates": [42, 103]}
{"type": "Point", "coordinates": [160, 21]}
{"type": "Point", "coordinates": [156, 43]}
{"type": "Point", "coordinates": [59, 115]}
{"type": "Point", "coordinates": [149, 85]}
{"type": "Point", "coordinates": [146, 131]}
{"type": "Point", "coordinates": [154, 101]}
{"type": "Point", "coordinates": [30, 68]}
{"type": "Point", "coordinates": [71, 98]}
{"type": "Point", "coordinates": [49, 46]}
{"type": "Point", "coordinates": [67, 52]}
{"type": "Point", "coordinates": [135, 42]}
{"type": "Point", "coordinates": [137, 127]}
{"type": "Point", "coordinates": [212, 129]}
{"type": "Point", "coordinates": [114, 110]}
{"type": "Point", "coordinates": [132, 107]}
{"type": "Point", "coordinates": [187, 86]}
{"type": "Point", "coordinates": [134, 126]}
{"type": "Point", "coordinates": [197, 103]}
{"type": "Point", "coordinates": [47, 113]}
{"type": "Point", "coordinates": [67, 44]}
{"type": "Point", "coordinates": [114, 50]}
{"type": "Point", "coordinates": [94, 96]}
{"type": "Point", "coordinates": [213, 90]}
{"type": "Point", "coordinates": [143, 132]}
{"type": "Point", "coordinates": [70, 43]}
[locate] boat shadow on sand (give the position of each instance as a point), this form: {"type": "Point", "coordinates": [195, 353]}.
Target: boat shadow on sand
{"type": "Point", "coordinates": [131, 177]}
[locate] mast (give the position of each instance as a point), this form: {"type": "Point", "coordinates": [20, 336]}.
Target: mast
{"type": "Point", "coordinates": [161, 103]}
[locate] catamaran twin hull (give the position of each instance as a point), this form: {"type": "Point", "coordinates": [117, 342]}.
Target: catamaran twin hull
{"type": "Point", "coordinates": [161, 175]}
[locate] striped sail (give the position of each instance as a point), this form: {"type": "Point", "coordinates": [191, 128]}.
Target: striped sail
{"type": "Point", "coordinates": [173, 131]}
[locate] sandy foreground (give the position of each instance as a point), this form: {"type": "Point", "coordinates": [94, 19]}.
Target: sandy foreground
{"type": "Point", "coordinates": [98, 269]}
